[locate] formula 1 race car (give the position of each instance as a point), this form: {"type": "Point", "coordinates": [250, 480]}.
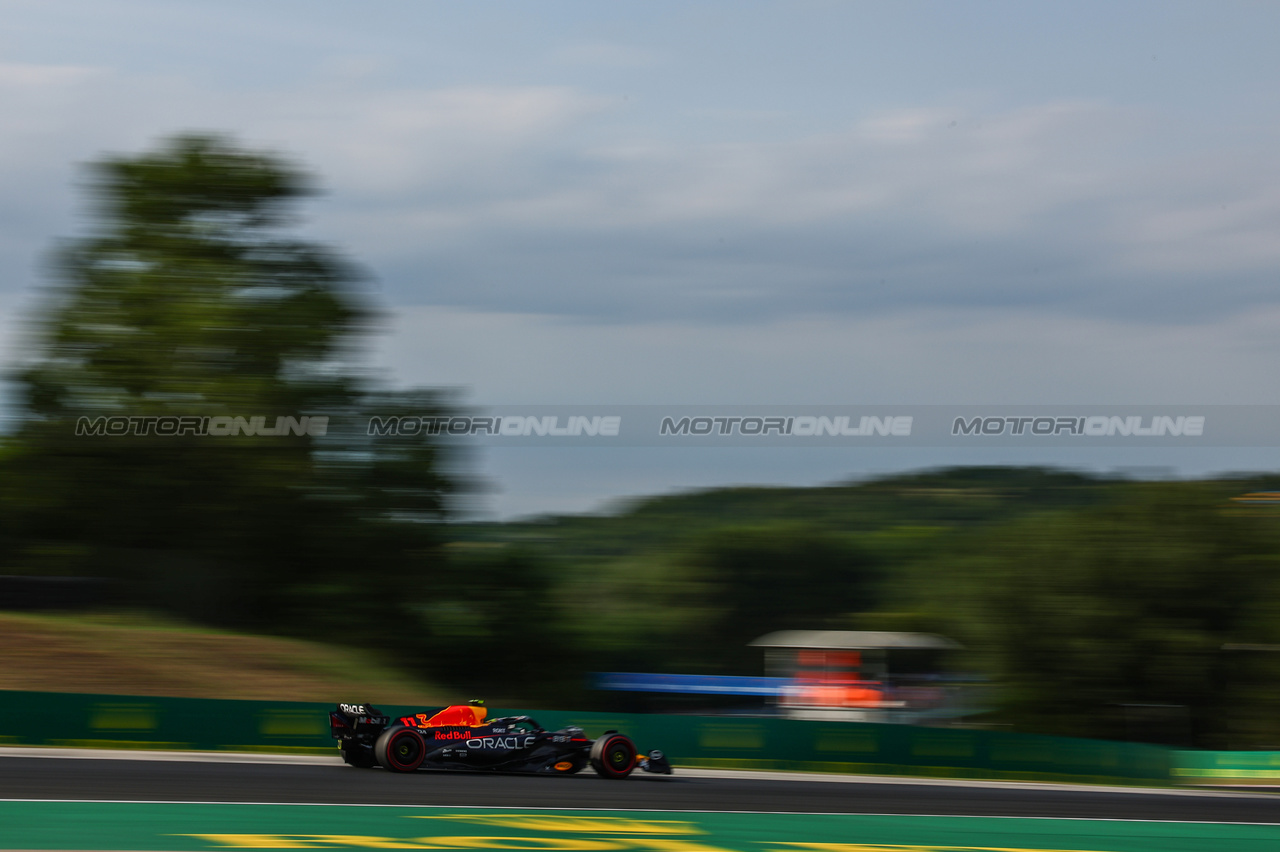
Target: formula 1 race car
{"type": "Point", "coordinates": [458, 737]}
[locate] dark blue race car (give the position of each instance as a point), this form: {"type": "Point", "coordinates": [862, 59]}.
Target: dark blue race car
{"type": "Point", "coordinates": [459, 737]}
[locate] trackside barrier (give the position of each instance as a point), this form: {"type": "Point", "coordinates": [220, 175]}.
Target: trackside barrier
{"type": "Point", "coordinates": [73, 719]}
{"type": "Point", "coordinates": [850, 747]}
{"type": "Point", "coordinates": [121, 721]}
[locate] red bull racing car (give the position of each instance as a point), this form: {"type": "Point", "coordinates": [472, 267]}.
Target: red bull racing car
{"type": "Point", "coordinates": [459, 737]}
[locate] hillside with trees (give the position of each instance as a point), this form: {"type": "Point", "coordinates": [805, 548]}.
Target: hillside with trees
{"type": "Point", "coordinates": [1080, 600]}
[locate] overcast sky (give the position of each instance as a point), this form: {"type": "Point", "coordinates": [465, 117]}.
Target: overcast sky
{"type": "Point", "coordinates": [705, 202]}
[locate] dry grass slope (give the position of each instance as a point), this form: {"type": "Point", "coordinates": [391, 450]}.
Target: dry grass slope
{"type": "Point", "coordinates": [144, 655]}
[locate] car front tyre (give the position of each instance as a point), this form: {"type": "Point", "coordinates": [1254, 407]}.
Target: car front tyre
{"type": "Point", "coordinates": [613, 756]}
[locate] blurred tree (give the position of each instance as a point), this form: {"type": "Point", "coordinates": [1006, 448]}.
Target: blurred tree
{"type": "Point", "coordinates": [493, 624]}
{"type": "Point", "coordinates": [1116, 622]}
{"type": "Point", "coordinates": [781, 576]}
{"type": "Point", "coordinates": [191, 299]}
{"type": "Point", "coordinates": [696, 609]}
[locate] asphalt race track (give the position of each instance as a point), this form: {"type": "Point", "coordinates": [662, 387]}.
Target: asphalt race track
{"type": "Point", "coordinates": [179, 779]}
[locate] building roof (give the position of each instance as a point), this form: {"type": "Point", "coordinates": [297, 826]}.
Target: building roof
{"type": "Point", "coordinates": [851, 640]}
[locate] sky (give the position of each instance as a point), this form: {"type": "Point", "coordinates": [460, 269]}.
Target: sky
{"type": "Point", "coordinates": [649, 203]}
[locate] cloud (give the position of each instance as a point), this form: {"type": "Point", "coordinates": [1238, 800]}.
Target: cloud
{"type": "Point", "coordinates": [1204, 217]}
{"type": "Point", "coordinates": [1052, 205]}
{"type": "Point", "coordinates": [29, 76]}
{"type": "Point", "coordinates": [376, 150]}
{"type": "Point", "coordinates": [906, 164]}
{"type": "Point", "coordinates": [606, 54]}
{"type": "Point", "coordinates": [421, 143]}
{"type": "Point", "coordinates": [547, 199]}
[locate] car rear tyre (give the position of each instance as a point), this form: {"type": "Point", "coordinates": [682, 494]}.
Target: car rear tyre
{"type": "Point", "coordinates": [400, 750]}
{"type": "Point", "coordinates": [613, 756]}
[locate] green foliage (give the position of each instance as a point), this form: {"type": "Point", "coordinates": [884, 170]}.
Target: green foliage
{"type": "Point", "coordinates": [190, 298]}
{"type": "Point", "coordinates": [683, 583]}
{"type": "Point", "coordinates": [781, 576]}
{"type": "Point", "coordinates": [491, 622]}
{"type": "Point", "coordinates": [188, 294]}
{"type": "Point", "coordinates": [1091, 620]}
{"type": "Point", "coordinates": [1093, 607]}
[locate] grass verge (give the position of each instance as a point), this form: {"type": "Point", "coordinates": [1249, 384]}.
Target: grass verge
{"type": "Point", "coordinates": [143, 654]}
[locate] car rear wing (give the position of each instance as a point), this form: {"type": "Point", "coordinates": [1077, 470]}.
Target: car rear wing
{"type": "Point", "coordinates": [347, 720]}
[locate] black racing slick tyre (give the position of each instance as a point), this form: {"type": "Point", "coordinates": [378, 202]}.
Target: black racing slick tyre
{"type": "Point", "coordinates": [613, 756]}
{"type": "Point", "coordinates": [400, 749]}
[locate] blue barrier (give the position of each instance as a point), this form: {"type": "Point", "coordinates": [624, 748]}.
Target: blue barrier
{"type": "Point", "coordinates": [691, 684]}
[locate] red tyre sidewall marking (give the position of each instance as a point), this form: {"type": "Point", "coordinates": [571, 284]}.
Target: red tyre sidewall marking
{"type": "Point", "coordinates": [621, 772]}
{"type": "Point", "coordinates": [391, 750]}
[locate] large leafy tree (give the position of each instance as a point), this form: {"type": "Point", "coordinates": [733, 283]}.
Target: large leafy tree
{"type": "Point", "coordinates": [192, 298]}
{"type": "Point", "coordinates": [189, 292]}
{"type": "Point", "coordinates": [1151, 618]}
